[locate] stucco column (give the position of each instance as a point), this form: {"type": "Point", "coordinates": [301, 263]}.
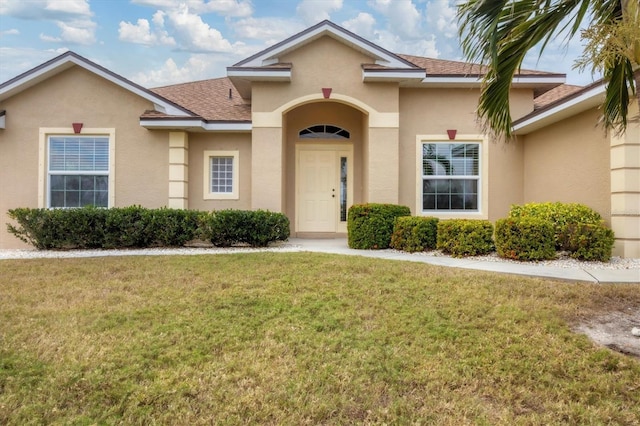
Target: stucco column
{"type": "Point", "coordinates": [625, 191]}
{"type": "Point", "coordinates": [267, 169]}
{"type": "Point", "coordinates": [178, 170]}
{"type": "Point", "coordinates": [383, 165]}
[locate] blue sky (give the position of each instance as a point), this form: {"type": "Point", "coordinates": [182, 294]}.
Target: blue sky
{"type": "Point", "coordinates": [161, 42]}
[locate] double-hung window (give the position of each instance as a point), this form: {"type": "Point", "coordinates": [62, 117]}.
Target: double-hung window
{"type": "Point", "coordinates": [78, 171]}
{"type": "Point", "coordinates": [450, 177]}
{"type": "Point", "coordinates": [221, 175]}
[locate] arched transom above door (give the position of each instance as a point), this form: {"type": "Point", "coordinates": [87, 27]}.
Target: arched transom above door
{"type": "Point", "coordinates": [324, 131]}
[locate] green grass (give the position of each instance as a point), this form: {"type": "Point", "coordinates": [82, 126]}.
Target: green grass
{"type": "Point", "coordinates": [275, 338]}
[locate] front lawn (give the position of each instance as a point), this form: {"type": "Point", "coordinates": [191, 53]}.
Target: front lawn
{"type": "Point", "coordinates": [301, 338]}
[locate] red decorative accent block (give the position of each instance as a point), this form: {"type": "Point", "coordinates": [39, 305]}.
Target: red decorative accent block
{"type": "Point", "coordinates": [77, 127]}
{"type": "Point", "coordinates": [452, 134]}
{"type": "Point", "coordinates": [326, 92]}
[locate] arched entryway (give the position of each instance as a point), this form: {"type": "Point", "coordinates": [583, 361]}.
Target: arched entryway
{"type": "Point", "coordinates": [324, 146]}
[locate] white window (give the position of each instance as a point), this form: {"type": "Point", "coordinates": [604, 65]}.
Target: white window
{"type": "Point", "coordinates": [450, 177]}
{"type": "Point", "coordinates": [78, 171]}
{"type": "Point", "coordinates": [221, 175]}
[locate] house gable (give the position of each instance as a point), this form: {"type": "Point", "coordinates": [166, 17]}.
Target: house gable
{"type": "Point", "coordinates": [69, 59]}
{"type": "Point", "coordinates": [272, 65]}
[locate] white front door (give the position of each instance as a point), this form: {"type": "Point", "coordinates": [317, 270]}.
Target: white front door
{"type": "Point", "coordinates": [322, 189]}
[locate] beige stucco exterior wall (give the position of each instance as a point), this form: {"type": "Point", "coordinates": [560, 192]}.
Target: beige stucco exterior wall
{"type": "Point", "coordinates": [79, 96]}
{"type": "Point", "coordinates": [569, 162]}
{"type": "Point", "coordinates": [201, 142]}
{"type": "Point", "coordinates": [324, 63]}
{"type": "Point", "coordinates": [434, 111]}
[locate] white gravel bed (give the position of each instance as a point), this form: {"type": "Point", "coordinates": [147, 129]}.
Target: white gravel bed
{"type": "Point", "coordinates": [562, 261]}
{"type": "Point", "coordinates": [184, 251]}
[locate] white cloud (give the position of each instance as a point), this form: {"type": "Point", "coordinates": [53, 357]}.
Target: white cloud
{"type": "Point", "coordinates": [11, 31]}
{"type": "Point", "coordinates": [72, 17]}
{"type": "Point", "coordinates": [78, 32]}
{"type": "Point", "coordinates": [197, 67]}
{"type": "Point", "coordinates": [50, 39]}
{"type": "Point", "coordinates": [267, 30]}
{"type": "Point", "coordinates": [314, 11]}
{"type": "Point", "coordinates": [45, 9]}
{"type": "Point", "coordinates": [231, 8]}
{"type": "Point", "coordinates": [402, 16]}
{"type": "Point", "coordinates": [363, 25]}
{"type": "Point", "coordinates": [425, 46]}
{"type": "Point", "coordinates": [141, 33]}
{"type": "Point", "coordinates": [15, 61]}
{"type": "Point", "coordinates": [193, 34]}
{"type": "Point", "coordinates": [227, 8]}
{"type": "Point", "coordinates": [73, 7]}
{"type": "Point", "coordinates": [180, 27]}
{"type": "Point", "coordinates": [441, 16]}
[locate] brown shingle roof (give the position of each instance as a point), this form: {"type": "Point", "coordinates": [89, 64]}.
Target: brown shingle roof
{"type": "Point", "coordinates": [446, 67]}
{"type": "Point", "coordinates": [555, 95]}
{"type": "Point", "coordinates": [209, 99]}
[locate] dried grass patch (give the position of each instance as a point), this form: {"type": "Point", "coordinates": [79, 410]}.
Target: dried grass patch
{"type": "Point", "coordinates": [302, 338]}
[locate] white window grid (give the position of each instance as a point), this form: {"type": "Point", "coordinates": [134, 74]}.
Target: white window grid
{"type": "Point", "coordinates": [221, 175]}
{"type": "Point", "coordinates": [77, 168]}
{"type": "Point", "coordinates": [458, 169]}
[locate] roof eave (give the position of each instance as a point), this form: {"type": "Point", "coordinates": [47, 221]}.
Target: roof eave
{"type": "Point", "coordinates": [519, 81]}
{"type": "Point", "coordinates": [391, 75]}
{"type": "Point", "coordinates": [161, 123]}
{"type": "Point", "coordinates": [259, 74]}
{"type": "Point", "coordinates": [573, 104]}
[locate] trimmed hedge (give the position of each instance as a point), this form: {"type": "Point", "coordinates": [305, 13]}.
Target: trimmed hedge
{"type": "Point", "coordinates": [560, 215]}
{"type": "Point", "coordinates": [586, 241]}
{"type": "Point", "coordinates": [413, 234]}
{"type": "Point", "coordinates": [525, 238]}
{"type": "Point", "coordinates": [138, 227]}
{"type": "Point", "coordinates": [257, 228]}
{"type": "Point", "coordinates": [465, 237]}
{"type": "Point", "coordinates": [370, 226]}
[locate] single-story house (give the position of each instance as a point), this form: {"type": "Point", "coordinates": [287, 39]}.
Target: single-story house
{"type": "Point", "coordinates": [308, 127]}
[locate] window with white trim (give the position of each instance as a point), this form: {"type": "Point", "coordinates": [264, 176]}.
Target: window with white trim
{"type": "Point", "coordinates": [78, 171]}
{"type": "Point", "coordinates": [450, 177]}
{"type": "Point", "coordinates": [221, 175]}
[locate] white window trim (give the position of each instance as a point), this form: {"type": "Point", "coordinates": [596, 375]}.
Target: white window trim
{"type": "Point", "coordinates": [483, 188]}
{"type": "Point", "coordinates": [43, 154]}
{"type": "Point", "coordinates": [206, 173]}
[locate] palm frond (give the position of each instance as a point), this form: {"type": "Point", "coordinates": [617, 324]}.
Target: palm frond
{"type": "Point", "coordinates": [620, 78]}
{"type": "Point", "coordinates": [499, 34]}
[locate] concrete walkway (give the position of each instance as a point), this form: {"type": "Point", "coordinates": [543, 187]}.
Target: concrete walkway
{"type": "Point", "coordinates": [339, 246]}
{"type": "Point", "coordinates": [574, 272]}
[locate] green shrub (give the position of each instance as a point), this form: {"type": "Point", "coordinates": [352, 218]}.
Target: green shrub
{"type": "Point", "coordinates": [414, 233]}
{"type": "Point", "coordinates": [465, 237]}
{"type": "Point", "coordinates": [370, 226]}
{"type": "Point", "coordinates": [560, 215]}
{"type": "Point", "coordinates": [128, 227]}
{"type": "Point", "coordinates": [91, 227]}
{"type": "Point", "coordinates": [525, 238]}
{"type": "Point", "coordinates": [586, 241]}
{"type": "Point", "coordinates": [173, 227]}
{"type": "Point", "coordinates": [59, 228]}
{"type": "Point", "coordinates": [225, 228]}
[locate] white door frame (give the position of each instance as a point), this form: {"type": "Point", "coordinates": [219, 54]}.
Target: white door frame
{"type": "Point", "coordinates": [340, 150]}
